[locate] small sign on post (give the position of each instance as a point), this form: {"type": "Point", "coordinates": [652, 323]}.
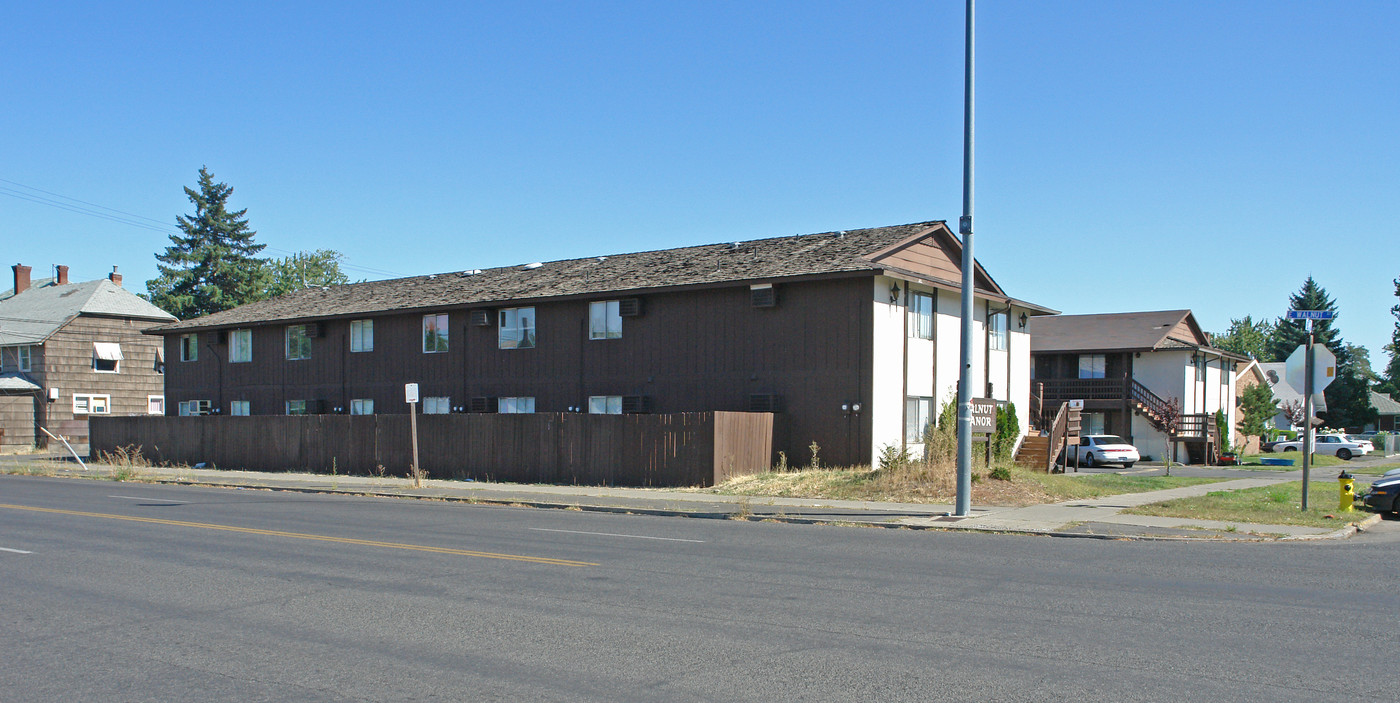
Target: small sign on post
{"type": "Point", "coordinates": [984, 415]}
{"type": "Point", "coordinates": [410, 394]}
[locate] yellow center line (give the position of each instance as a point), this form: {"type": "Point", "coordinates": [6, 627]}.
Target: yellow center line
{"type": "Point", "coordinates": [303, 535]}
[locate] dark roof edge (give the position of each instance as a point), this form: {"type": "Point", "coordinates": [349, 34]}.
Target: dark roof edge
{"type": "Point", "coordinates": [188, 325]}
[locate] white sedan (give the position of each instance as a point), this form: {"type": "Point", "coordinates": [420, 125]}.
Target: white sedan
{"type": "Point", "coordinates": [1095, 449]}
{"type": "Point", "coordinates": [1335, 444]}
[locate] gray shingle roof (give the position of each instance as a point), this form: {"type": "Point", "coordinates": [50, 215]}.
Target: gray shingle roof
{"type": "Point", "coordinates": [757, 260]}
{"type": "Point", "coordinates": [1109, 331]}
{"type": "Point", "coordinates": [1384, 404]}
{"type": "Point", "coordinates": [13, 382]}
{"type": "Point", "coordinates": [35, 314]}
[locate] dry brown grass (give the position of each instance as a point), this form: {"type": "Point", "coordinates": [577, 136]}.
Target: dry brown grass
{"type": "Point", "coordinates": [936, 482]}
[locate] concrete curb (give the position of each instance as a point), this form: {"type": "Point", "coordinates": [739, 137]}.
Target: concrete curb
{"type": "Point", "coordinates": [1340, 533]}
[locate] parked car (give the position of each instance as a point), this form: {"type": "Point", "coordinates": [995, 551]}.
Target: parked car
{"type": "Point", "coordinates": [1095, 449]}
{"type": "Point", "coordinates": [1384, 495]}
{"type": "Point", "coordinates": [1335, 444]}
{"type": "Point", "coordinates": [1362, 439]}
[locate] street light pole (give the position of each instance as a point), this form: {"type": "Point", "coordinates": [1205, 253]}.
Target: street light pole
{"type": "Point", "coordinates": [964, 500]}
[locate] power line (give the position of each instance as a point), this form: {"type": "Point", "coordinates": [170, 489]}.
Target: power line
{"type": "Point", "coordinates": [85, 208]}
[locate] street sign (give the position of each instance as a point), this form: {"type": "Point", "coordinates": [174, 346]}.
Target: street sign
{"type": "Point", "coordinates": [410, 392]}
{"type": "Point", "coordinates": [984, 415]}
{"type": "Point", "coordinates": [1310, 314]}
{"type": "Point", "coordinates": [1324, 368]}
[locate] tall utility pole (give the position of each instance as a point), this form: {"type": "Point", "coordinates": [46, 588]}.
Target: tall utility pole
{"type": "Point", "coordinates": [964, 504]}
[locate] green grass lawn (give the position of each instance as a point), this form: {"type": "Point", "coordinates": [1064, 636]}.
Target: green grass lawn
{"type": "Point", "coordinates": [1269, 505]}
{"type": "Point", "coordinates": [1251, 461]}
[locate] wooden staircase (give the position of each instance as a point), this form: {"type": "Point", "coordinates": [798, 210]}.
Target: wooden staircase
{"type": "Point", "coordinates": [1034, 451]}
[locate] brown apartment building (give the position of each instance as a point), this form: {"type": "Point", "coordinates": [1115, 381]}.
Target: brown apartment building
{"type": "Point", "coordinates": [72, 350]}
{"type": "Point", "coordinates": [835, 332]}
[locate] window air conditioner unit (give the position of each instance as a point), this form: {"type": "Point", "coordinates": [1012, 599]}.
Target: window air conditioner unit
{"type": "Point", "coordinates": [482, 318]}
{"type": "Point", "coordinates": [629, 307]}
{"type": "Point", "coordinates": [763, 296]}
{"type": "Point", "coordinates": [481, 405]}
{"type": "Point", "coordinates": [765, 403]}
{"type": "Point", "coordinates": [635, 404]}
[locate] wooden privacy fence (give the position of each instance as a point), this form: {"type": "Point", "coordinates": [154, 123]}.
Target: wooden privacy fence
{"type": "Point", "coordinates": [681, 449]}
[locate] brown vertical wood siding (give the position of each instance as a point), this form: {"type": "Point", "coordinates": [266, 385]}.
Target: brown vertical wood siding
{"type": "Point", "coordinates": [690, 351]}
{"type": "Point", "coordinates": [683, 449]}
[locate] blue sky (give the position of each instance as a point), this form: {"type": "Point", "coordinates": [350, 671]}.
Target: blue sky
{"type": "Point", "coordinates": [1130, 155]}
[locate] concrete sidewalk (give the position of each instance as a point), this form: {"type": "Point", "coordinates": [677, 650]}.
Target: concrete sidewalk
{"type": "Point", "coordinates": [1099, 517]}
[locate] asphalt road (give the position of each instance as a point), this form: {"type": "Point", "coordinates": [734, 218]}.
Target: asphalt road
{"type": "Point", "coordinates": [134, 592]}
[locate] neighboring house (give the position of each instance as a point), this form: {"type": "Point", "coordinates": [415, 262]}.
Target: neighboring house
{"type": "Point", "coordinates": [851, 337]}
{"type": "Point", "coordinates": [70, 350]}
{"type": "Point", "coordinates": [1388, 412]}
{"type": "Point", "coordinates": [1284, 394]}
{"type": "Point", "coordinates": [1246, 377]}
{"type": "Point", "coordinates": [1126, 366]}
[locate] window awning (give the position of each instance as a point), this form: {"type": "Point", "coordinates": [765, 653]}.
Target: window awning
{"type": "Point", "coordinates": [107, 351]}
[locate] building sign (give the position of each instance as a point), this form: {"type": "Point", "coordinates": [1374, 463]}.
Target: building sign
{"type": "Point", "coordinates": [410, 392]}
{"type": "Point", "coordinates": [984, 415]}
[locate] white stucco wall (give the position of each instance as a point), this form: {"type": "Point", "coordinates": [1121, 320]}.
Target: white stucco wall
{"type": "Point", "coordinates": [932, 366]}
{"type": "Point", "coordinates": [887, 397]}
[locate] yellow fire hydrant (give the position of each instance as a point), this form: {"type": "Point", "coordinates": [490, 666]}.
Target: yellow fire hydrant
{"type": "Point", "coordinates": [1348, 491]}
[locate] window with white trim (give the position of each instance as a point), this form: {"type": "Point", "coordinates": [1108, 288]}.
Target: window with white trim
{"type": "Point", "coordinates": [605, 404]}
{"type": "Point", "coordinates": [155, 405]}
{"type": "Point", "coordinates": [997, 331]}
{"type": "Point", "coordinates": [106, 357]}
{"type": "Point", "coordinates": [194, 407]}
{"type": "Point", "coordinates": [520, 404]}
{"type": "Point", "coordinates": [189, 347]}
{"type": "Point", "coordinates": [605, 320]}
{"type": "Point", "coordinates": [238, 408]}
{"type": "Point", "coordinates": [921, 315]}
{"type": "Point", "coordinates": [240, 346]}
{"type": "Point", "coordinates": [91, 404]}
{"type": "Point", "coordinates": [517, 329]}
{"type": "Point", "coordinates": [919, 417]}
{"type": "Point", "coordinates": [298, 343]}
{"type": "Point", "coordinates": [1092, 365]}
{"type": "Point", "coordinates": [440, 405]}
{"type": "Point", "coordinates": [362, 336]}
{"type": "Point", "coordinates": [435, 334]}
{"type": "Point", "coordinates": [362, 406]}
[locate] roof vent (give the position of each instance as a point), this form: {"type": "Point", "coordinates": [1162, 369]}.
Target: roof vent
{"type": "Point", "coordinates": [841, 234]}
{"type": "Point", "coordinates": [533, 266]}
{"type": "Point", "coordinates": [431, 276]}
{"type": "Point", "coordinates": [733, 246]}
{"type": "Point", "coordinates": [469, 272]}
{"type": "Point", "coordinates": [601, 259]}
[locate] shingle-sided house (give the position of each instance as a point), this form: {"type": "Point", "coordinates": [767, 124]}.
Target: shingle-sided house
{"type": "Point", "coordinates": [70, 350]}
{"type": "Point", "coordinates": [1124, 366]}
{"type": "Point", "coordinates": [851, 337]}
{"type": "Point", "coordinates": [1387, 412]}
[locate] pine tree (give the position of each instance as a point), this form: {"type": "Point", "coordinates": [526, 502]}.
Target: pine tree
{"type": "Point", "coordinates": [212, 264]}
{"type": "Point", "coordinates": [1257, 406]}
{"type": "Point", "coordinates": [1392, 370]}
{"type": "Point", "coordinates": [1348, 402]}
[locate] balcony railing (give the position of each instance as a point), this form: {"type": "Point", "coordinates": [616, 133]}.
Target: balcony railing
{"type": "Point", "coordinates": [1058, 390]}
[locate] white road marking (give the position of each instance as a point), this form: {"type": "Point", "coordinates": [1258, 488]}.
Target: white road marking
{"type": "Point", "coordinates": [610, 534]}
{"type": "Point", "coordinates": [14, 551]}
{"type": "Point", "coordinates": [154, 500]}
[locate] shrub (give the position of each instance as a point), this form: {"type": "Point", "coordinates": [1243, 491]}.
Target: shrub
{"type": "Point", "coordinates": [894, 458]}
